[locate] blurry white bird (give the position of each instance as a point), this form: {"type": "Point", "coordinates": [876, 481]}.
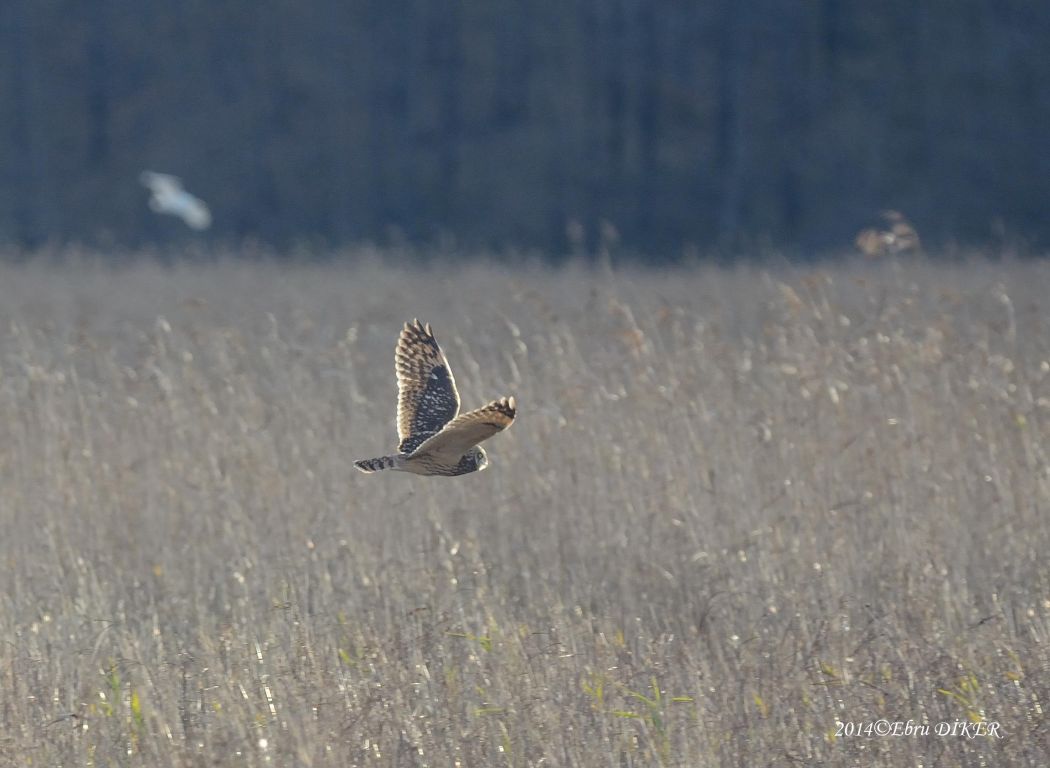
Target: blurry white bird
{"type": "Point", "coordinates": [169, 197]}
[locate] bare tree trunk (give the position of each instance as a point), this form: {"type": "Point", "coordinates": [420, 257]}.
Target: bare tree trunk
{"type": "Point", "coordinates": [731, 139]}
{"type": "Point", "coordinates": [648, 119]}
{"type": "Point", "coordinates": [616, 89]}
{"type": "Point", "coordinates": [23, 161]}
{"type": "Point", "coordinates": [98, 82]}
{"type": "Point", "coordinates": [447, 49]}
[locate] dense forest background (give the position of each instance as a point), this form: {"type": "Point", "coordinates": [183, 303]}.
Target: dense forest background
{"type": "Point", "coordinates": [498, 122]}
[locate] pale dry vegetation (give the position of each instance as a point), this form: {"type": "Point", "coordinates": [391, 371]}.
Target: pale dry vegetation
{"type": "Point", "coordinates": [737, 507]}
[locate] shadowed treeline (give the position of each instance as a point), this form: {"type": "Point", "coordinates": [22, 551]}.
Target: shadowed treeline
{"type": "Point", "coordinates": [504, 123]}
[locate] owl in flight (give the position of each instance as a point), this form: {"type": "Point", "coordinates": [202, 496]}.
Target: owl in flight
{"type": "Point", "coordinates": [434, 439]}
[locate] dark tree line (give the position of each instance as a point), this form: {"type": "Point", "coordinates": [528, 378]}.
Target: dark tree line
{"type": "Point", "coordinates": [500, 122]}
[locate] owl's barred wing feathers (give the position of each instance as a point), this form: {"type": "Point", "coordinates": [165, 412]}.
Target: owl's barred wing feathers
{"type": "Point", "coordinates": [369, 466]}
{"type": "Point", "coordinates": [464, 432]}
{"type": "Point", "coordinates": [426, 390]}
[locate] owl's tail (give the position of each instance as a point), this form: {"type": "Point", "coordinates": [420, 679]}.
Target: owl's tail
{"type": "Point", "coordinates": [376, 465]}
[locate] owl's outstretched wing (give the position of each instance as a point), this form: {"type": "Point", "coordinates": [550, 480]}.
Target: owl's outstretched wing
{"type": "Point", "coordinates": [427, 399]}
{"type": "Point", "coordinates": [464, 432]}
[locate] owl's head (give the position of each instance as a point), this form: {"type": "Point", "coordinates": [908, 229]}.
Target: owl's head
{"type": "Point", "coordinates": [471, 461]}
{"type": "Point", "coordinates": [477, 458]}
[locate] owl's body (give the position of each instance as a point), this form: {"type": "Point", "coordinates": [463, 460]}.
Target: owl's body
{"type": "Point", "coordinates": [473, 461]}
{"type": "Point", "coordinates": [434, 440]}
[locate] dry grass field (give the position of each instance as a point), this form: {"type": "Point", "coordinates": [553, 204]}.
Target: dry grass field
{"type": "Point", "coordinates": [742, 514]}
